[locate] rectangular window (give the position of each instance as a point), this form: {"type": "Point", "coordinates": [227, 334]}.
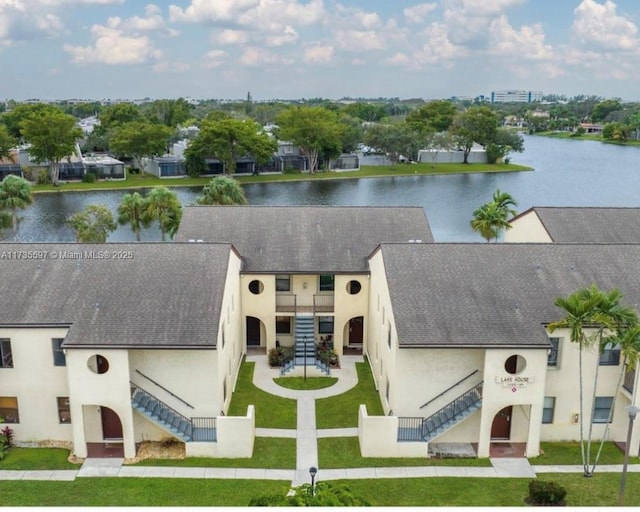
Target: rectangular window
{"type": "Point", "coordinates": [389, 337]}
{"type": "Point", "coordinates": [610, 356]}
{"type": "Point", "coordinates": [325, 324]}
{"type": "Point", "coordinates": [548, 408]}
{"type": "Point", "coordinates": [602, 409]}
{"type": "Point", "coordinates": [283, 283]}
{"type": "Point", "coordinates": [387, 391]}
{"type": "Point", "coordinates": [59, 358]}
{"type": "Point", "coordinates": [283, 325]}
{"type": "Point", "coordinates": [9, 409]}
{"type": "Point", "coordinates": [64, 412]}
{"type": "Point", "coordinates": [552, 358]}
{"type": "Point", "coordinates": [326, 283]}
{"type": "Point", "coordinates": [6, 357]}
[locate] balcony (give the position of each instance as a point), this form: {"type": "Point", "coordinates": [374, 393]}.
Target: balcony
{"type": "Point", "coordinates": [323, 303]}
{"type": "Point", "coordinates": [629, 379]}
{"type": "Point", "coordinates": [285, 303]}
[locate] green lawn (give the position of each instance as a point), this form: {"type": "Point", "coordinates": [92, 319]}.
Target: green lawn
{"type": "Point", "coordinates": [599, 491]}
{"type": "Point", "coordinates": [37, 458]}
{"type": "Point", "coordinates": [341, 411]}
{"type": "Point", "coordinates": [270, 453]}
{"type": "Point", "coordinates": [146, 180]}
{"type": "Point", "coordinates": [344, 452]}
{"type": "Point", "coordinates": [131, 492]}
{"type": "Point", "coordinates": [568, 453]}
{"type": "Point", "coordinates": [301, 383]}
{"type": "Point", "coordinates": [271, 411]}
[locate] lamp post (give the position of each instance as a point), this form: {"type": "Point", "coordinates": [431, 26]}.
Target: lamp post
{"type": "Point", "coordinates": [633, 411]}
{"type": "Point", "coordinates": [313, 471]}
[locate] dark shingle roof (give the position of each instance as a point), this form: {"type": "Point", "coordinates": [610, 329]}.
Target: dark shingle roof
{"type": "Point", "coordinates": [591, 225]}
{"type": "Point", "coordinates": [295, 239]}
{"type": "Point", "coordinates": [167, 295]}
{"type": "Point", "coordinates": [496, 294]}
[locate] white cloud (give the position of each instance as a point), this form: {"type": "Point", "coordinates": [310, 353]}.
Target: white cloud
{"type": "Point", "coordinates": [526, 43]}
{"type": "Point", "coordinates": [171, 67]}
{"type": "Point", "coordinates": [112, 47]}
{"type": "Point", "coordinates": [320, 54]}
{"type": "Point", "coordinates": [254, 56]}
{"type": "Point", "coordinates": [207, 11]}
{"type": "Point", "coordinates": [419, 13]}
{"type": "Point", "coordinates": [286, 36]}
{"type": "Point", "coordinates": [214, 59]}
{"type": "Point", "coordinates": [232, 37]}
{"type": "Point", "coordinates": [600, 26]}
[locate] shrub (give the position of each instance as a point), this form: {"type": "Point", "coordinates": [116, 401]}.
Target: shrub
{"type": "Point", "coordinates": [278, 356]}
{"type": "Point", "coordinates": [545, 494]}
{"type": "Point", "coordinates": [89, 178]}
{"type": "Point", "coordinates": [326, 495]}
{"type": "Point", "coordinates": [43, 178]}
{"type": "Point", "coordinates": [6, 440]}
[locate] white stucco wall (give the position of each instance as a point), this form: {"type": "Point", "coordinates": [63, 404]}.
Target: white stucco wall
{"type": "Point", "coordinates": [348, 306]}
{"type": "Point", "coordinates": [235, 438]}
{"type": "Point", "coordinates": [36, 383]}
{"type": "Point", "coordinates": [378, 437]}
{"type": "Point", "coordinates": [527, 228]}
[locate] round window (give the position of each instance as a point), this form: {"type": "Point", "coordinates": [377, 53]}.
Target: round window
{"type": "Point", "coordinates": [256, 287]}
{"type": "Point", "coordinates": [98, 364]}
{"type": "Point", "coordinates": [515, 364]}
{"type": "Point", "coordinates": [354, 287]}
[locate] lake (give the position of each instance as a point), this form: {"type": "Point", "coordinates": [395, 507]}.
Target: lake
{"type": "Point", "coordinates": [567, 173]}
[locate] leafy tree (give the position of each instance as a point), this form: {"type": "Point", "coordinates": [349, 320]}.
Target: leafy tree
{"type": "Point", "coordinates": [222, 190]}
{"type": "Point", "coordinates": [7, 143]}
{"type": "Point", "coordinates": [596, 319]}
{"type": "Point", "coordinates": [603, 109]}
{"type": "Point", "coordinates": [489, 220]}
{"type": "Point", "coordinates": [315, 130]}
{"type": "Point", "coordinates": [615, 131]}
{"type": "Point", "coordinates": [15, 194]}
{"type": "Point", "coordinates": [119, 114]}
{"type": "Point", "coordinates": [230, 139]}
{"type": "Point", "coordinates": [170, 113]}
{"type": "Point", "coordinates": [93, 224]}
{"type": "Point", "coordinates": [52, 136]}
{"type": "Point", "coordinates": [505, 141]}
{"type": "Point", "coordinates": [432, 116]}
{"type": "Point", "coordinates": [369, 112]}
{"type": "Point", "coordinates": [140, 140]}
{"type": "Point", "coordinates": [22, 111]}
{"type": "Point", "coordinates": [351, 133]}
{"type": "Point", "coordinates": [133, 210]}
{"type": "Point", "coordinates": [164, 206]}
{"type": "Point", "coordinates": [436, 142]}
{"type": "Point", "coordinates": [394, 140]}
{"type": "Point", "coordinates": [476, 124]}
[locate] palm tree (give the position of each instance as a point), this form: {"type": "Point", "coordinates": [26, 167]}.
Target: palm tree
{"type": "Point", "coordinates": [601, 313]}
{"type": "Point", "coordinates": [164, 206]}
{"type": "Point", "coordinates": [133, 210]}
{"type": "Point", "coordinates": [224, 191]}
{"type": "Point", "coordinates": [489, 220]}
{"type": "Point", "coordinates": [504, 200]}
{"type": "Point", "coordinates": [15, 193]}
{"type": "Point", "coordinates": [93, 224]}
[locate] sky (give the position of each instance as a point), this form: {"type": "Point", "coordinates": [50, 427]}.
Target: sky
{"type": "Point", "coordinates": [290, 49]}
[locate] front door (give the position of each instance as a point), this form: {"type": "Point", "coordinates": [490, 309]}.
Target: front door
{"type": "Point", "coordinates": [253, 331]}
{"type": "Point", "coordinates": [501, 426]}
{"type": "Point", "coordinates": [356, 331]}
{"type": "Point", "coordinates": [111, 425]}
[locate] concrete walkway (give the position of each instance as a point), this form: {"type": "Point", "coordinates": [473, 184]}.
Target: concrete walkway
{"type": "Point", "coordinates": [306, 435]}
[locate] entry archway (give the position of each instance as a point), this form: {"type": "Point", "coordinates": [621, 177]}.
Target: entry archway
{"type": "Point", "coordinates": [255, 331]}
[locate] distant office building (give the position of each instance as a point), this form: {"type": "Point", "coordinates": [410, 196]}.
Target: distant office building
{"type": "Point", "coordinates": [515, 96]}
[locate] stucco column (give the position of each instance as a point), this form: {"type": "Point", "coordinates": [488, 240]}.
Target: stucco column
{"type": "Point", "coordinates": [128, 434]}
{"type": "Point", "coordinates": [535, 424]}
{"type": "Point", "coordinates": [484, 438]}
{"type": "Point", "coordinates": [77, 422]}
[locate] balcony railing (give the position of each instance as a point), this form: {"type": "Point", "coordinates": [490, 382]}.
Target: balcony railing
{"type": "Point", "coordinates": [629, 379]}
{"type": "Point", "coordinates": [286, 302]}
{"type": "Point", "coordinates": [323, 303]}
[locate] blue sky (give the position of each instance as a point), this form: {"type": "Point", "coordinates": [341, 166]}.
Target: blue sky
{"type": "Point", "coordinates": [94, 49]}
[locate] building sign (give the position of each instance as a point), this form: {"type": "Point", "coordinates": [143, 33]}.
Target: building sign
{"type": "Point", "coordinates": [514, 381]}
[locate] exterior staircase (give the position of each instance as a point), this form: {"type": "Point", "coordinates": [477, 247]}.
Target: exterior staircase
{"type": "Point", "coordinates": [185, 429]}
{"type": "Point", "coordinates": [426, 429]}
{"type": "Point", "coordinates": [305, 351]}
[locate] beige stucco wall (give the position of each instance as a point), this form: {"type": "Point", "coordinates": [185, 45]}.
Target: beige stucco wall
{"type": "Point", "coordinates": [36, 383]}
{"type": "Point", "coordinates": [235, 438]}
{"type": "Point", "coordinates": [261, 306]}
{"type": "Point", "coordinates": [348, 306]}
{"type": "Point", "coordinates": [378, 437]}
{"type": "Point", "coordinates": [527, 228]}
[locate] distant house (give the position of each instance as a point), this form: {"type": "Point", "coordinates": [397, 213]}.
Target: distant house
{"type": "Point", "coordinates": [594, 128]}
{"type": "Point", "coordinates": [478, 155]}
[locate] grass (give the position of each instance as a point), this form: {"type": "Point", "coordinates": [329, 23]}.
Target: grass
{"type": "Point", "coordinates": [146, 180]}
{"type": "Point", "coordinates": [599, 491]}
{"type": "Point", "coordinates": [271, 411]}
{"type": "Point", "coordinates": [568, 453]}
{"type": "Point", "coordinates": [131, 492]}
{"type": "Point", "coordinates": [341, 411]}
{"type": "Point", "coordinates": [268, 453]}
{"type": "Point", "coordinates": [27, 459]}
{"type": "Point", "coordinates": [300, 383]}
{"type": "Point", "coordinates": [344, 452]}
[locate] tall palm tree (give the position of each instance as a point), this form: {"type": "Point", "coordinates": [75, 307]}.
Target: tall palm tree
{"type": "Point", "coordinates": [224, 191]}
{"type": "Point", "coordinates": [504, 201]}
{"type": "Point", "coordinates": [164, 206]}
{"type": "Point", "coordinates": [606, 320]}
{"type": "Point", "coordinates": [15, 193]}
{"type": "Point", "coordinates": [133, 210]}
{"type": "Point", "coordinates": [489, 220]}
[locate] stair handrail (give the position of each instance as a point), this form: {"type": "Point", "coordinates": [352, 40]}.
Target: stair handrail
{"type": "Point", "coordinates": [165, 389]}
{"type": "Point", "coordinates": [135, 387]}
{"type": "Point", "coordinates": [449, 388]}
{"type": "Point", "coordinates": [477, 387]}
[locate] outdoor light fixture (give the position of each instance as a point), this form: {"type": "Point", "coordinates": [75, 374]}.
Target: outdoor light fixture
{"type": "Point", "coordinates": [313, 471]}
{"type": "Point", "coordinates": [633, 411]}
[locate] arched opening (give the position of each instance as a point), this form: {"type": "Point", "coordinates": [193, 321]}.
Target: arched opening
{"type": "Point", "coordinates": [353, 335]}
{"type": "Point", "coordinates": [104, 437]}
{"type": "Point", "coordinates": [255, 331]}
{"type": "Point", "coordinates": [501, 425]}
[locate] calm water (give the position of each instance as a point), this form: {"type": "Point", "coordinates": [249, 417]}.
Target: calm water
{"type": "Point", "coordinates": [567, 173]}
